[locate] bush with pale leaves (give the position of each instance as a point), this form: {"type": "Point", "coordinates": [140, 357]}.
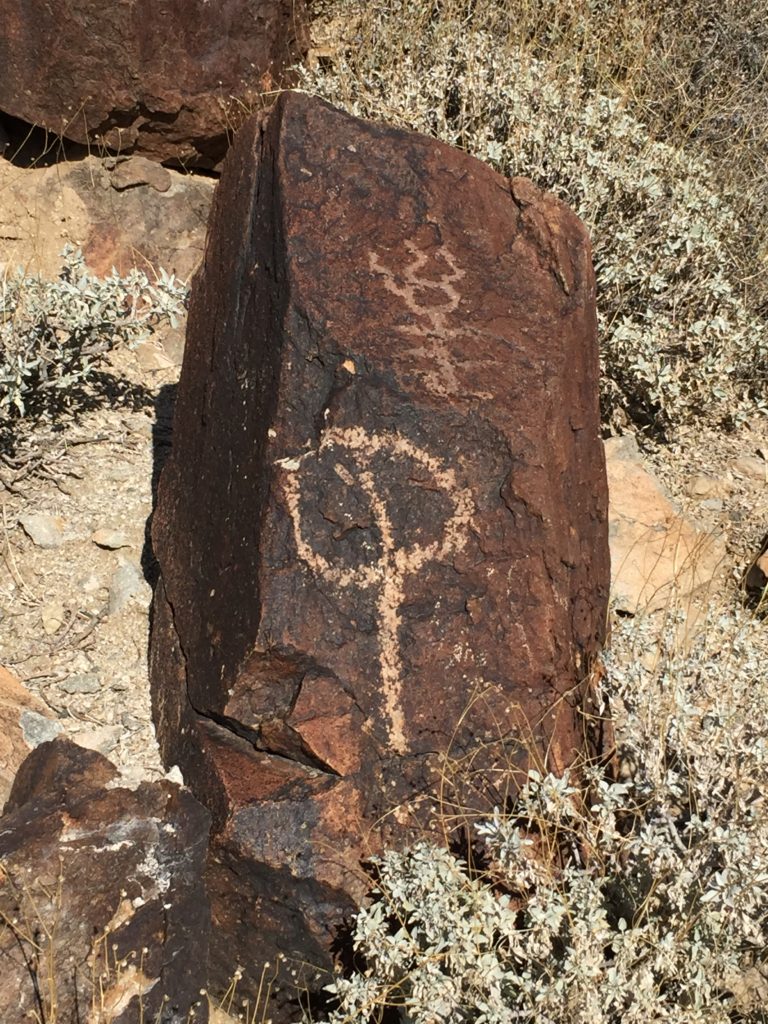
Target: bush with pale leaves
{"type": "Point", "coordinates": [648, 901]}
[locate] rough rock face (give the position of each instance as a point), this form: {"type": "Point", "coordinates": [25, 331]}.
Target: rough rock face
{"type": "Point", "coordinates": [382, 531]}
{"type": "Point", "coordinates": [92, 876]}
{"type": "Point", "coordinates": [165, 78]}
{"type": "Point", "coordinates": [25, 721]}
{"type": "Point", "coordinates": [158, 220]}
{"type": "Point", "coordinates": [659, 557]}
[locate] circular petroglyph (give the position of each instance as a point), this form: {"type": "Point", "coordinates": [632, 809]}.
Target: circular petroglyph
{"type": "Point", "coordinates": [396, 556]}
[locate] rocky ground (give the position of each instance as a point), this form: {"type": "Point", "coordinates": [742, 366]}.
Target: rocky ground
{"type": "Point", "coordinates": [75, 583]}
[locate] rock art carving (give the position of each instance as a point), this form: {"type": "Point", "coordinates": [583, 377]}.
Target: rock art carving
{"type": "Point", "coordinates": [420, 294]}
{"type": "Point", "coordinates": [387, 575]}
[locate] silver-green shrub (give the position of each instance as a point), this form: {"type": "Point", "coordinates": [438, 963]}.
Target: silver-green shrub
{"type": "Point", "coordinates": [53, 334]}
{"type": "Point", "coordinates": [678, 342]}
{"type": "Point", "coordinates": [646, 902]}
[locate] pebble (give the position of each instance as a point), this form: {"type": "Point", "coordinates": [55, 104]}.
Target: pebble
{"type": "Point", "coordinates": [37, 728]}
{"type": "Point", "coordinates": [119, 472]}
{"type": "Point", "coordinates": [88, 683]}
{"type": "Point", "coordinates": [131, 722]}
{"type": "Point", "coordinates": [127, 582]}
{"type": "Point", "coordinates": [53, 616]}
{"type": "Point", "coordinates": [103, 738]}
{"type": "Point", "coordinates": [43, 530]}
{"type": "Point", "coordinates": [713, 504]}
{"type": "Point", "coordinates": [112, 539]}
{"type": "Point", "coordinates": [752, 467]}
{"type": "Point", "coordinates": [704, 486]}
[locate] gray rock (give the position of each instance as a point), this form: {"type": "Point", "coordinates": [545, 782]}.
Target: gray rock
{"type": "Point", "coordinates": [37, 728]}
{"type": "Point", "coordinates": [43, 530]}
{"type": "Point", "coordinates": [88, 683]}
{"type": "Point", "coordinates": [126, 583]}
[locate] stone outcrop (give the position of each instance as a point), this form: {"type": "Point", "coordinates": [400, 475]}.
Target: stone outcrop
{"type": "Point", "coordinates": [660, 558]}
{"type": "Point", "coordinates": [382, 531]}
{"type": "Point", "coordinates": [103, 910]}
{"type": "Point", "coordinates": [25, 722]}
{"type": "Point", "coordinates": [756, 576]}
{"type": "Point", "coordinates": [165, 79]}
{"type": "Point", "coordinates": [139, 225]}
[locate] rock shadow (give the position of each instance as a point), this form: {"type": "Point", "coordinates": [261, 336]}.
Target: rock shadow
{"type": "Point", "coordinates": [162, 440]}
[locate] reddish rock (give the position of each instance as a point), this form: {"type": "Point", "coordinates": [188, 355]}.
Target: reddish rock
{"type": "Point", "coordinates": [101, 895]}
{"type": "Point", "coordinates": [25, 721]}
{"type": "Point", "coordinates": [166, 78]}
{"type": "Point", "coordinates": [382, 531]}
{"type": "Point", "coordinates": [120, 227]}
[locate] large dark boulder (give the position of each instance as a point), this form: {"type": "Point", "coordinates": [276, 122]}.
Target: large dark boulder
{"type": "Point", "coordinates": [382, 531]}
{"type": "Point", "coordinates": [103, 909]}
{"type": "Point", "coordinates": [169, 79]}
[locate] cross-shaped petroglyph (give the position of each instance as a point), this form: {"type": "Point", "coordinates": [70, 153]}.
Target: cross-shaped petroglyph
{"type": "Point", "coordinates": [420, 294]}
{"type": "Point", "coordinates": [386, 575]}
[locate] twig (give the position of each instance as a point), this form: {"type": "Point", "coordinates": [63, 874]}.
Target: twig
{"type": "Point", "coordinates": [13, 568]}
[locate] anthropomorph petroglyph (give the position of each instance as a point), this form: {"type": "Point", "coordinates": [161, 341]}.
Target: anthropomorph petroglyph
{"type": "Point", "coordinates": [434, 301]}
{"type": "Point", "coordinates": [395, 563]}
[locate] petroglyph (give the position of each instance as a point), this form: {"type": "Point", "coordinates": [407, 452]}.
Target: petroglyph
{"type": "Point", "coordinates": [421, 296]}
{"type": "Point", "coordinates": [387, 575]}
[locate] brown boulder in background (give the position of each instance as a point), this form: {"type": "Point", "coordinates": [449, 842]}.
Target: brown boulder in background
{"type": "Point", "coordinates": [382, 532]}
{"type": "Point", "coordinates": [145, 225]}
{"type": "Point", "coordinates": [103, 911]}
{"type": "Point", "coordinates": [169, 79]}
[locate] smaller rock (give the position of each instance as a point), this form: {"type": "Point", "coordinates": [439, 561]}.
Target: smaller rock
{"type": "Point", "coordinates": [38, 728]}
{"type": "Point", "coordinates": [704, 486]}
{"type": "Point", "coordinates": [112, 539]}
{"type": "Point", "coordinates": [102, 738]}
{"type": "Point", "coordinates": [126, 584]}
{"type": "Point", "coordinates": [174, 775]}
{"type": "Point", "coordinates": [43, 530]}
{"type": "Point", "coordinates": [88, 683]}
{"type": "Point", "coordinates": [712, 504]}
{"type": "Point", "coordinates": [137, 170]}
{"type": "Point", "coordinates": [756, 576]}
{"type": "Point", "coordinates": [751, 467]}
{"type": "Point", "coordinates": [24, 722]}
{"type": "Point", "coordinates": [131, 722]}
{"type": "Point", "coordinates": [53, 616]}
{"type": "Point", "coordinates": [152, 357]}
{"type": "Point", "coordinates": [93, 860]}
